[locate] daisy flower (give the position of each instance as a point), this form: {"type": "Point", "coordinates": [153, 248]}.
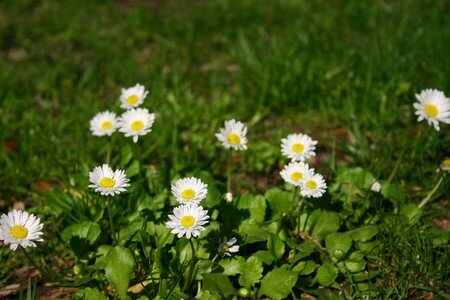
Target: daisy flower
{"type": "Point", "coordinates": [226, 247]}
{"type": "Point", "coordinates": [108, 182]}
{"type": "Point", "coordinates": [103, 123]}
{"type": "Point", "coordinates": [298, 147]}
{"type": "Point", "coordinates": [189, 190]}
{"type": "Point", "coordinates": [133, 96]}
{"type": "Point", "coordinates": [20, 228]}
{"type": "Point", "coordinates": [229, 197]}
{"type": "Point", "coordinates": [313, 186]}
{"type": "Point", "coordinates": [136, 122]}
{"type": "Point", "coordinates": [188, 220]}
{"type": "Point", "coordinates": [433, 106]}
{"type": "Point", "coordinates": [376, 187]}
{"type": "Point", "coordinates": [233, 135]}
{"type": "Point", "coordinates": [445, 165]}
{"type": "Point", "coordinates": [294, 172]}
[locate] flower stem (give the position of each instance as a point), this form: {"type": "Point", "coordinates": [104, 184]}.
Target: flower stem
{"type": "Point", "coordinates": [191, 267]}
{"type": "Point", "coordinates": [230, 154]}
{"type": "Point", "coordinates": [431, 193]}
{"type": "Point", "coordinates": [300, 203]}
{"type": "Point", "coordinates": [111, 224]}
{"type": "Point", "coordinates": [32, 261]}
{"type": "Point", "coordinates": [108, 151]}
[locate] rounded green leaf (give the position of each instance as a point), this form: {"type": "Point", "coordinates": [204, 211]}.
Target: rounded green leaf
{"type": "Point", "coordinates": [278, 283]}
{"type": "Point", "coordinates": [338, 244]}
{"type": "Point", "coordinates": [326, 274]}
{"type": "Point", "coordinates": [119, 267]}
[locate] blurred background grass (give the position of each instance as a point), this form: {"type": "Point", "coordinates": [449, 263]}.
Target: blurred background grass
{"type": "Point", "coordinates": [342, 71]}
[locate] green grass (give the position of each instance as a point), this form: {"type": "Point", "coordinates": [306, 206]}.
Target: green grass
{"type": "Point", "coordinates": [344, 72]}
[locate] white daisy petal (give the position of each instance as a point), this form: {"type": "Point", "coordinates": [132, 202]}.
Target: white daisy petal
{"type": "Point", "coordinates": [298, 147]}
{"type": "Point", "coordinates": [20, 228]}
{"type": "Point", "coordinates": [188, 222]}
{"type": "Point", "coordinates": [432, 106]}
{"type": "Point", "coordinates": [136, 122]}
{"type": "Point", "coordinates": [233, 135]}
{"type": "Point", "coordinates": [133, 96]}
{"type": "Point", "coordinates": [108, 182]}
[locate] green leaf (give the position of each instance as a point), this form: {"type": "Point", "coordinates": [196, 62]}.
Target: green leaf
{"type": "Point", "coordinates": [275, 246]}
{"type": "Point", "coordinates": [326, 274]}
{"type": "Point", "coordinates": [364, 234]}
{"type": "Point", "coordinates": [90, 293]}
{"type": "Point", "coordinates": [305, 267]}
{"type": "Point", "coordinates": [265, 256]}
{"type": "Point", "coordinates": [280, 202]}
{"type": "Point", "coordinates": [255, 204]}
{"type": "Point", "coordinates": [392, 192]}
{"type": "Point", "coordinates": [118, 270]}
{"type": "Point", "coordinates": [356, 262]}
{"type": "Point", "coordinates": [231, 266]}
{"type": "Point", "coordinates": [278, 283]}
{"type": "Point", "coordinates": [253, 232]}
{"type": "Point", "coordinates": [220, 283]}
{"type": "Point", "coordinates": [133, 169]}
{"type": "Point", "coordinates": [411, 211]}
{"type": "Point", "coordinates": [80, 236]}
{"type": "Point", "coordinates": [338, 244]}
{"type": "Point", "coordinates": [324, 223]}
{"type": "Point", "coordinates": [251, 272]}
{"type": "Point", "coordinates": [85, 230]}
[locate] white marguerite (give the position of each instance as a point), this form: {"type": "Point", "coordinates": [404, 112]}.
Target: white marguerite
{"type": "Point", "coordinates": [136, 122]}
{"type": "Point", "coordinates": [295, 172]}
{"type": "Point", "coordinates": [189, 190]}
{"type": "Point", "coordinates": [298, 147]}
{"type": "Point", "coordinates": [375, 187]}
{"type": "Point", "coordinates": [229, 197]}
{"type": "Point", "coordinates": [188, 220]}
{"type": "Point", "coordinates": [233, 135]}
{"type": "Point", "coordinates": [433, 106]}
{"type": "Point", "coordinates": [20, 228]}
{"type": "Point", "coordinates": [226, 247]}
{"type": "Point", "coordinates": [445, 165]}
{"type": "Point", "coordinates": [108, 182]}
{"type": "Point", "coordinates": [103, 123]}
{"type": "Point", "coordinates": [313, 186]}
{"type": "Point", "coordinates": [133, 96]}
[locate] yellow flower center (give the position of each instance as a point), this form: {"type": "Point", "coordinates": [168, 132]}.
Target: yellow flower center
{"type": "Point", "coordinates": [234, 139]}
{"type": "Point", "coordinates": [187, 221]}
{"type": "Point", "coordinates": [133, 99]}
{"type": "Point", "coordinates": [106, 125]}
{"type": "Point", "coordinates": [431, 110]}
{"type": "Point", "coordinates": [188, 194]}
{"type": "Point", "coordinates": [107, 182]}
{"type": "Point", "coordinates": [298, 148]}
{"type": "Point", "coordinates": [446, 163]}
{"type": "Point", "coordinates": [296, 176]}
{"type": "Point", "coordinates": [19, 232]}
{"type": "Point", "coordinates": [311, 184]}
{"type": "Point", "coordinates": [137, 125]}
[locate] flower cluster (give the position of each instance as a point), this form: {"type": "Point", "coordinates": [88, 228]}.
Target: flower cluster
{"type": "Point", "coordinates": [133, 123]}
{"type": "Point", "coordinates": [188, 218]}
{"type": "Point", "coordinates": [298, 148]}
